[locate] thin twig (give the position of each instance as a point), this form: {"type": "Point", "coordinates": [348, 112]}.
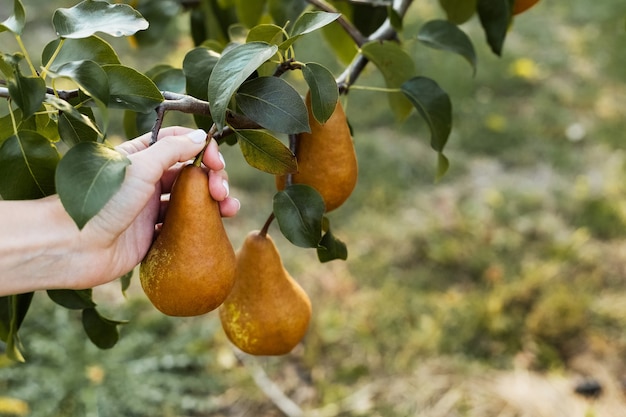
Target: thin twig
{"type": "Point", "coordinates": [358, 64]}
{"type": "Point", "coordinates": [156, 127]}
{"type": "Point", "coordinates": [350, 29]}
{"type": "Point", "coordinates": [266, 226]}
{"type": "Point", "coordinates": [191, 105]}
{"type": "Point", "coordinates": [267, 386]}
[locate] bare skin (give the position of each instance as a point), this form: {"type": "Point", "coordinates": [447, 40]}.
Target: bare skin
{"type": "Point", "coordinates": [42, 248]}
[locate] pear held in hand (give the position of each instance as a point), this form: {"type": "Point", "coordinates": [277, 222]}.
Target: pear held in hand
{"type": "Point", "coordinates": [267, 312]}
{"type": "Point", "coordinates": [326, 158]}
{"type": "Point", "coordinates": [190, 268]}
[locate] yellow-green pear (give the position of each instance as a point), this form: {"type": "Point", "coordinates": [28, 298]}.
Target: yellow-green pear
{"type": "Point", "coordinates": [267, 312]}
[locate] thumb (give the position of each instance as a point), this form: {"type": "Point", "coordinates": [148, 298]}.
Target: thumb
{"type": "Point", "coordinates": [167, 151]}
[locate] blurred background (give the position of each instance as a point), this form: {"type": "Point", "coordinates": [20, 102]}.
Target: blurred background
{"type": "Point", "coordinates": [498, 291]}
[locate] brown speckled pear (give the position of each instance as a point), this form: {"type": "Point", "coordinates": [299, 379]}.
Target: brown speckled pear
{"type": "Point", "coordinates": [267, 313]}
{"type": "Point", "coordinates": [326, 158]}
{"type": "Point", "coordinates": [190, 268]}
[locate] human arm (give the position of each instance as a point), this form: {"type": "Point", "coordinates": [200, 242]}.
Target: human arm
{"type": "Point", "coordinates": [42, 248]}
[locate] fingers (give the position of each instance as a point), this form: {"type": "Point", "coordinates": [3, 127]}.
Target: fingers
{"type": "Point", "coordinates": [162, 161]}
{"type": "Point", "coordinates": [153, 161]}
{"type": "Point", "coordinates": [218, 185]}
{"type": "Point", "coordinates": [213, 158]}
{"type": "Point", "coordinates": [142, 142]}
{"type": "Point", "coordinates": [219, 189]}
{"type": "Point", "coordinates": [229, 207]}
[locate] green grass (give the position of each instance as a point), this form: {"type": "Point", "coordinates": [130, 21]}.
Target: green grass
{"type": "Point", "coordinates": [515, 259]}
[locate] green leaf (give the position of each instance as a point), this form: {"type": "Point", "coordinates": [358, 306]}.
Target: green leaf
{"type": "Point", "coordinates": [76, 126]}
{"type": "Point", "coordinates": [266, 153]}
{"type": "Point", "coordinates": [15, 22]}
{"type": "Point", "coordinates": [249, 12]}
{"type": "Point", "coordinates": [167, 78]}
{"type": "Point", "coordinates": [13, 309]}
{"type": "Point", "coordinates": [458, 11]}
{"type": "Point", "coordinates": [198, 65]}
{"type": "Point", "coordinates": [271, 34]}
{"type": "Point", "coordinates": [90, 77]}
{"type": "Point", "coordinates": [41, 123]}
{"type": "Point", "coordinates": [396, 66]}
{"type": "Point", "coordinates": [125, 281]}
{"type": "Point", "coordinates": [299, 210]}
{"type": "Point", "coordinates": [323, 89]}
{"type": "Point", "coordinates": [27, 165]}
{"type": "Point", "coordinates": [160, 14]}
{"type": "Point", "coordinates": [101, 331]}
{"type": "Point", "coordinates": [341, 44]}
{"type": "Point", "coordinates": [442, 165]}
{"type": "Point", "coordinates": [309, 22]}
{"type": "Point", "coordinates": [6, 125]}
{"type": "Point", "coordinates": [232, 69]}
{"type": "Point", "coordinates": [7, 65]}
{"type": "Point", "coordinates": [87, 177]}
{"type": "Point", "coordinates": [369, 16]}
{"type": "Point", "coordinates": [495, 17]}
{"type": "Point", "coordinates": [27, 92]}
{"type": "Point", "coordinates": [73, 131]}
{"type": "Point", "coordinates": [283, 11]}
{"type": "Point", "coordinates": [92, 48]}
{"type": "Point", "coordinates": [446, 36]}
{"type": "Point", "coordinates": [395, 19]}
{"type": "Point", "coordinates": [274, 104]}
{"type": "Point", "coordinates": [212, 20]}
{"type": "Point", "coordinates": [135, 126]}
{"type": "Point", "coordinates": [131, 90]}
{"type": "Point", "coordinates": [435, 107]}
{"type": "Point", "coordinates": [330, 247]}
{"type": "Point", "coordinates": [91, 16]}
{"type": "Point", "coordinates": [72, 299]}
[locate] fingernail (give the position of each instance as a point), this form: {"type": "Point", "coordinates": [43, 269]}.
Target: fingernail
{"type": "Point", "coordinates": [197, 136]}
{"type": "Point", "coordinates": [226, 187]}
{"type": "Point", "coordinates": [238, 203]}
{"type": "Point", "coordinates": [222, 159]}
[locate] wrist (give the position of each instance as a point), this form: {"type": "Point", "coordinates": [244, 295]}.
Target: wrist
{"type": "Point", "coordinates": [40, 248]}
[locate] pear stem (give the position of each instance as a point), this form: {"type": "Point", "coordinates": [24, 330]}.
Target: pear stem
{"type": "Point", "coordinates": [198, 160]}
{"type": "Point", "coordinates": [294, 141]}
{"type": "Point", "coordinates": [267, 224]}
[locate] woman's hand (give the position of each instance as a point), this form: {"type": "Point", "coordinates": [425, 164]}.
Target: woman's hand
{"type": "Point", "coordinates": [43, 249]}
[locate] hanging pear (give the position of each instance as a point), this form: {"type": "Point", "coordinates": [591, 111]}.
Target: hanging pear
{"type": "Point", "coordinates": [326, 158]}
{"type": "Point", "coordinates": [267, 312]}
{"type": "Point", "coordinates": [190, 268]}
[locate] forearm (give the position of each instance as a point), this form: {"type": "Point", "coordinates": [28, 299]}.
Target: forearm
{"type": "Point", "coordinates": [37, 240]}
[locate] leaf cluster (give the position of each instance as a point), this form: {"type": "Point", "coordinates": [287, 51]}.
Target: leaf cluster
{"type": "Point", "coordinates": [53, 140]}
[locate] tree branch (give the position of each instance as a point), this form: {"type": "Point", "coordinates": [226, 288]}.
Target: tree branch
{"type": "Point", "coordinates": [191, 105]}
{"type": "Point", "coordinates": [267, 386]}
{"type": "Point", "coordinates": [350, 29]}
{"type": "Point", "coordinates": [384, 32]}
{"type": "Point", "coordinates": [172, 101]}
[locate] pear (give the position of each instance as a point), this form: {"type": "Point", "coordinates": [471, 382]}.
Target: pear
{"type": "Point", "coordinates": [190, 268]}
{"type": "Point", "coordinates": [267, 312]}
{"type": "Point", "coordinates": [326, 158]}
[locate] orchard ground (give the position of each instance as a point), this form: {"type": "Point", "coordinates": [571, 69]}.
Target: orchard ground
{"type": "Point", "coordinates": [495, 292]}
